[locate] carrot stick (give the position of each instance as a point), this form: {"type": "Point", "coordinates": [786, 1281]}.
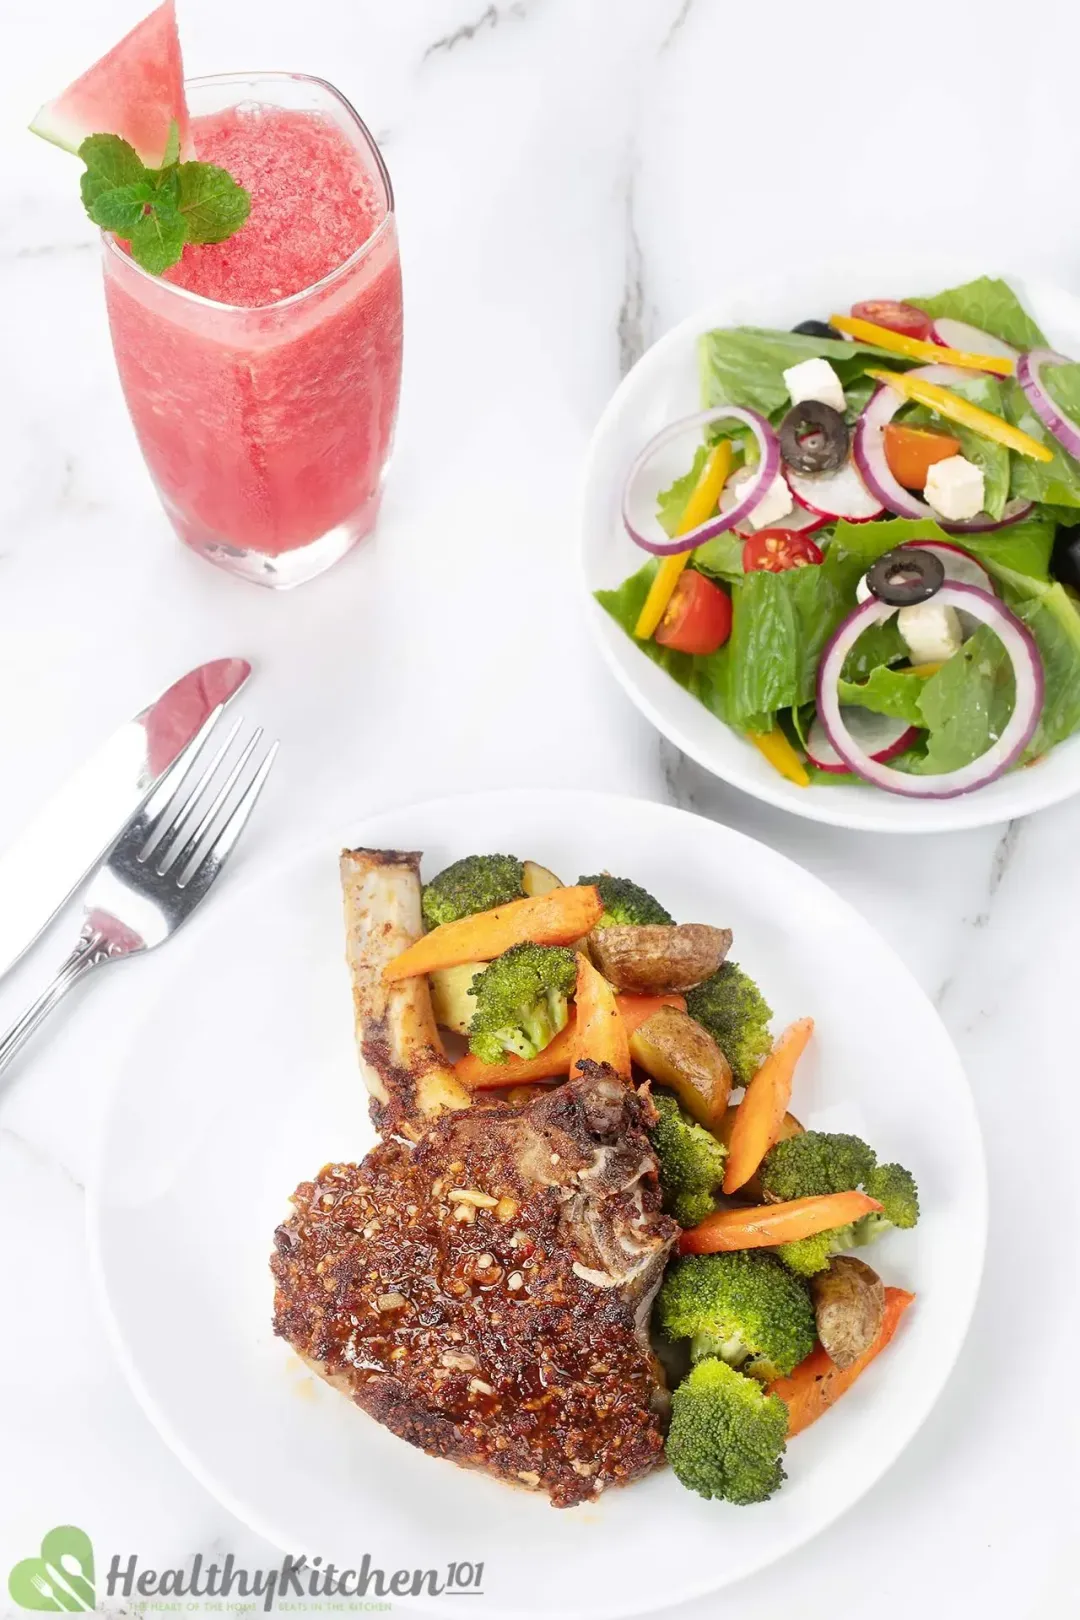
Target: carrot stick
{"type": "Point", "coordinates": [553, 1063]}
{"type": "Point", "coordinates": [557, 918]}
{"type": "Point", "coordinates": [599, 1033]}
{"type": "Point", "coordinates": [817, 1382]}
{"type": "Point", "coordinates": [766, 1225]}
{"type": "Point", "coordinates": [761, 1112]}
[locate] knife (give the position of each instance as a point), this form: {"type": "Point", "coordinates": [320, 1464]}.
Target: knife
{"type": "Point", "coordinates": [78, 826]}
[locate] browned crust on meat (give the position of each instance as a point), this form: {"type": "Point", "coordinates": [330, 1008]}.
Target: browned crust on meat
{"type": "Point", "coordinates": [486, 1337]}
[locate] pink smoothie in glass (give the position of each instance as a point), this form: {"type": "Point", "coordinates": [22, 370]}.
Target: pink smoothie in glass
{"type": "Point", "coordinates": [266, 414]}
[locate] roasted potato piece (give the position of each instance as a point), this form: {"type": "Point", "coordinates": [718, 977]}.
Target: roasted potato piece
{"type": "Point", "coordinates": [537, 879]}
{"type": "Point", "coordinates": [452, 1000]}
{"type": "Point", "coordinates": [656, 959]}
{"type": "Point", "coordinates": [751, 1190]}
{"type": "Point", "coordinates": [676, 1051]}
{"type": "Point", "coordinates": [849, 1304]}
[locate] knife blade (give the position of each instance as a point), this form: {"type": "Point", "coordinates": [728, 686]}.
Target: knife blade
{"type": "Point", "coordinates": [78, 826]}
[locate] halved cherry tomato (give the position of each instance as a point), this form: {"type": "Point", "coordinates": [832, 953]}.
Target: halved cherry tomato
{"type": "Point", "coordinates": [698, 617]}
{"type": "Point", "coordinates": [775, 550]}
{"type": "Point", "coordinates": [911, 452]}
{"type": "Point", "coordinates": [896, 316]}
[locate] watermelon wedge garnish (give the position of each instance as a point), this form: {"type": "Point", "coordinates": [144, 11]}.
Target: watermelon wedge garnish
{"type": "Point", "coordinates": [136, 90]}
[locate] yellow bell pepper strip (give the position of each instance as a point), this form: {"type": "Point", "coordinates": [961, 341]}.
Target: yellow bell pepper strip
{"type": "Point", "coordinates": [918, 349]}
{"type": "Point", "coordinates": [774, 746]}
{"type": "Point", "coordinates": [702, 503]}
{"type": "Point", "coordinates": [955, 409]}
{"type": "Point", "coordinates": [921, 669]}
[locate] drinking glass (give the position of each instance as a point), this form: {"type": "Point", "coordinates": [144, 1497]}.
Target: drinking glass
{"type": "Point", "coordinates": [267, 430]}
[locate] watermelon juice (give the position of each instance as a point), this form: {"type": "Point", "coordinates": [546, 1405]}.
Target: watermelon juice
{"type": "Point", "coordinates": [262, 373]}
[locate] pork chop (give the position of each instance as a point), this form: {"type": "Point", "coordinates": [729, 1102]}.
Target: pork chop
{"type": "Point", "coordinates": [485, 1292]}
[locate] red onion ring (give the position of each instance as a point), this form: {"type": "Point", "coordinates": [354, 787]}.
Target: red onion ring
{"type": "Point", "coordinates": [767, 469]}
{"type": "Point", "coordinates": [1028, 375]}
{"type": "Point", "coordinates": [877, 475]}
{"type": "Point", "coordinates": [1023, 653]}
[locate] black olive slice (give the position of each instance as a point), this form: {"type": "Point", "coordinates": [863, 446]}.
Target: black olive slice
{"type": "Point", "coordinates": [906, 576]}
{"type": "Point", "coordinates": [1065, 557]}
{"type": "Point", "coordinates": [816, 329]}
{"type": "Point", "coordinates": [814, 438]}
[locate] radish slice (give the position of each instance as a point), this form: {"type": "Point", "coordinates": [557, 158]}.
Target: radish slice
{"type": "Point", "coordinates": [881, 735]}
{"type": "Point", "coordinates": [1027, 670]}
{"type": "Point", "coordinates": [1028, 375]}
{"type": "Point", "coordinates": [800, 520]}
{"type": "Point", "coordinates": [639, 492]}
{"type": "Point", "coordinates": [869, 453]}
{"type": "Point", "coordinates": [951, 334]}
{"type": "Point", "coordinates": [839, 494]}
{"type": "Point", "coordinates": [961, 568]}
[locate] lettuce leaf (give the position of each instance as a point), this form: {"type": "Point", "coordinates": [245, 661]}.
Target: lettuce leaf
{"type": "Point", "coordinates": [780, 626]}
{"type": "Point", "coordinates": [990, 305]}
{"type": "Point", "coordinates": [745, 365]}
{"type": "Point", "coordinates": [671, 503]}
{"type": "Point", "coordinates": [1054, 620]}
{"type": "Point", "coordinates": [888, 691]}
{"type": "Point", "coordinates": [967, 704]}
{"type": "Point", "coordinates": [1057, 482]}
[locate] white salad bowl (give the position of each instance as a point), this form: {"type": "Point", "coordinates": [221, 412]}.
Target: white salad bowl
{"type": "Point", "coordinates": [663, 386]}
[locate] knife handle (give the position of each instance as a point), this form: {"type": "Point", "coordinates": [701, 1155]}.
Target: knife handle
{"type": "Point", "coordinates": [89, 953]}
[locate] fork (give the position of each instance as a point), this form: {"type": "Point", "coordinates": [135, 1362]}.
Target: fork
{"type": "Point", "coordinates": [158, 871]}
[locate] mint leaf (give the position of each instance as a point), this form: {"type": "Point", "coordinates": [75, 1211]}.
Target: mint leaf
{"type": "Point", "coordinates": [158, 210]}
{"type": "Point", "coordinates": [212, 204]}
{"type": "Point", "coordinates": [157, 240]}
{"type": "Point", "coordinates": [121, 208]}
{"type": "Point", "coordinates": [110, 162]}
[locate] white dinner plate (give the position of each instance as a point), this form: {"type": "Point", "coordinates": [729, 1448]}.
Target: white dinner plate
{"type": "Point", "coordinates": [663, 386]}
{"type": "Point", "coordinates": [243, 1081]}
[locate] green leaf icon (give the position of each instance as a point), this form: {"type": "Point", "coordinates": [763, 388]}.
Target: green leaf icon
{"type": "Point", "coordinates": [61, 1580]}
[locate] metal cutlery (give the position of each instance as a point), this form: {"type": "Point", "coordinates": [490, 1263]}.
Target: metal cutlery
{"type": "Point", "coordinates": [75, 829]}
{"type": "Point", "coordinates": [161, 867]}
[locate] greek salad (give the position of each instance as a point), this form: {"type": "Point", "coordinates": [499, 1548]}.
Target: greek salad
{"type": "Point", "coordinates": [864, 549]}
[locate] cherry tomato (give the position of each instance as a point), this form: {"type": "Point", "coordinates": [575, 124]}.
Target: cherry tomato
{"type": "Point", "coordinates": [911, 452]}
{"type": "Point", "coordinates": [775, 550]}
{"type": "Point", "coordinates": [698, 617]}
{"type": "Point", "coordinates": [904, 318]}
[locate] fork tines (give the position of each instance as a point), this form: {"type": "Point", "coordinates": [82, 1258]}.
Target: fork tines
{"type": "Point", "coordinates": [217, 800]}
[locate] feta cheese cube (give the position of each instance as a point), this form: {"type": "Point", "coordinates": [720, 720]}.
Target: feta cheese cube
{"type": "Point", "coordinates": [931, 630]}
{"type": "Point", "coordinates": [815, 379]}
{"type": "Point", "coordinates": [775, 504]}
{"type": "Point", "coordinates": [956, 489]}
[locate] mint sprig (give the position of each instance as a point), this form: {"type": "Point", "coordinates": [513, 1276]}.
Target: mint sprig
{"type": "Point", "coordinates": [159, 210]}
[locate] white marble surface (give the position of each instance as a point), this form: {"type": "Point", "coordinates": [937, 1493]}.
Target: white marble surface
{"type": "Point", "coordinates": [572, 176]}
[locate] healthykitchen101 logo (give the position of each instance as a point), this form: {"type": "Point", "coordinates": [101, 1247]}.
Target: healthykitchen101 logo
{"type": "Point", "coordinates": [61, 1580]}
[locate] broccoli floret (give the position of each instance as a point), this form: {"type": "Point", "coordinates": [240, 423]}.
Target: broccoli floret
{"type": "Point", "coordinates": [521, 1001]}
{"type": "Point", "coordinates": [727, 1436]}
{"type": "Point", "coordinates": [735, 1013]}
{"type": "Point", "coordinates": [743, 1307]}
{"type": "Point", "coordinates": [819, 1162]}
{"type": "Point", "coordinates": [476, 883]}
{"type": "Point", "coordinates": [808, 1255]}
{"type": "Point", "coordinates": [626, 902]}
{"type": "Point", "coordinates": [691, 1162]}
{"type": "Point", "coordinates": [895, 1189]}
{"type": "Point", "coordinates": [814, 1163]}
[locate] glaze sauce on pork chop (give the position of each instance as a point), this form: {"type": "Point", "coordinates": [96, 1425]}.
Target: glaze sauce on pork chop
{"type": "Point", "coordinates": [484, 1293]}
